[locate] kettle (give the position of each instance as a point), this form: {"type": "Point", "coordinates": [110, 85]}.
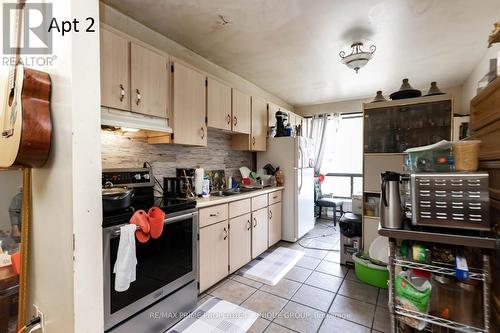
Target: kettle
{"type": "Point", "coordinates": [390, 201]}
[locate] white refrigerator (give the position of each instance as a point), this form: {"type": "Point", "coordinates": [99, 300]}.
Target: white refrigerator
{"type": "Point", "coordinates": [294, 155]}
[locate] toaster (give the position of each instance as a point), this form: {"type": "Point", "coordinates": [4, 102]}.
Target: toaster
{"type": "Point", "coordinates": [458, 200]}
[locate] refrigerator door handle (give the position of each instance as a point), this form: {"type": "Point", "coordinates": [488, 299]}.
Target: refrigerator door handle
{"type": "Point", "coordinates": [301, 179]}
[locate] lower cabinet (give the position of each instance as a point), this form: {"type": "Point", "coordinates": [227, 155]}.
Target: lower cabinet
{"type": "Point", "coordinates": [240, 242]}
{"type": "Point", "coordinates": [274, 223]}
{"type": "Point", "coordinates": [213, 254]}
{"type": "Point", "coordinates": [231, 235]}
{"type": "Point", "coordinates": [259, 231]}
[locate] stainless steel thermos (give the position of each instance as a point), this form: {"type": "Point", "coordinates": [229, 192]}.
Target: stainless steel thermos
{"type": "Point", "coordinates": [390, 201]}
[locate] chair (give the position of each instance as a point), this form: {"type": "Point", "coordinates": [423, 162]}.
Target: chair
{"type": "Point", "coordinates": [323, 201]}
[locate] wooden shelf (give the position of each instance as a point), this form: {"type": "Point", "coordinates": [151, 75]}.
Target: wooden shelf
{"type": "Point", "coordinates": [371, 217]}
{"type": "Point", "coordinates": [453, 237]}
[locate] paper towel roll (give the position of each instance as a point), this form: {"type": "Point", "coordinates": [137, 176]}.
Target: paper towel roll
{"type": "Point", "coordinates": [199, 173]}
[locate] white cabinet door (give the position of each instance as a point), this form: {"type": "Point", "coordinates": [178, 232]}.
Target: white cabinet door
{"type": "Point", "coordinates": [274, 223]}
{"type": "Point", "coordinates": [259, 231]}
{"type": "Point", "coordinates": [240, 242]}
{"type": "Point", "coordinates": [213, 254]}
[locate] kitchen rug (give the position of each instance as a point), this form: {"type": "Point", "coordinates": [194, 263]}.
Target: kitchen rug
{"type": "Point", "coordinates": [216, 316]}
{"type": "Point", "coordinates": [271, 267]}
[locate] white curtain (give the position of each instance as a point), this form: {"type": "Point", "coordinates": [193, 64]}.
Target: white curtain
{"type": "Point", "coordinates": [317, 132]}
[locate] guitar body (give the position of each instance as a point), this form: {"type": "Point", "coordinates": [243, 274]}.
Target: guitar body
{"type": "Point", "coordinates": [27, 119]}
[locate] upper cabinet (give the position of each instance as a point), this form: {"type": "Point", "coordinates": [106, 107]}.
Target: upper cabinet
{"type": "Point", "coordinates": [219, 113]}
{"type": "Point", "coordinates": [241, 112]}
{"type": "Point", "coordinates": [133, 78]}
{"type": "Point", "coordinates": [149, 81]}
{"type": "Point", "coordinates": [189, 105]}
{"type": "Point", "coordinates": [115, 71]}
{"type": "Point", "coordinates": [394, 126]}
{"type": "Point", "coordinates": [259, 128]}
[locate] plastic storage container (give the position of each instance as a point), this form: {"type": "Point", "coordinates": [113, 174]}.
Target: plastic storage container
{"type": "Point", "coordinates": [431, 160]}
{"type": "Point", "coordinates": [370, 273]}
{"type": "Point", "coordinates": [466, 154]}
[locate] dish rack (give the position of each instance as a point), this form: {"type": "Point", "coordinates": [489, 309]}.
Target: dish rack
{"type": "Point", "coordinates": [435, 324]}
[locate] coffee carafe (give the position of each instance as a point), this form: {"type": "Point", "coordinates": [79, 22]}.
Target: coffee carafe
{"type": "Point", "coordinates": [390, 200]}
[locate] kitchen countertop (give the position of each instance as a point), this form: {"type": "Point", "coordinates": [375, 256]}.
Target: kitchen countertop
{"type": "Point", "coordinates": [216, 200]}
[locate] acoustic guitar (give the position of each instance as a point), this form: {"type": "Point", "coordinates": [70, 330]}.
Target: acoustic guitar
{"type": "Point", "coordinates": [25, 120]}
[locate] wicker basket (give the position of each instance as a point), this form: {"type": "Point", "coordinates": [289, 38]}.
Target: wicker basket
{"type": "Point", "coordinates": [466, 155]}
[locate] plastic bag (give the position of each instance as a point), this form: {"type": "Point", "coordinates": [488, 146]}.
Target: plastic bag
{"type": "Point", "coordinates": [411, 296]}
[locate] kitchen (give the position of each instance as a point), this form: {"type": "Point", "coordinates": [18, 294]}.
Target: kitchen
{"type": "Point", "coordinates": [169, 120]}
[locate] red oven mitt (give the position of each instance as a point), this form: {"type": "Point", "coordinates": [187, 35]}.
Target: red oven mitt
{"type": "Point", "coordinates": [141, 219]}
{"type": "Point", "coordinates": [156, 217]}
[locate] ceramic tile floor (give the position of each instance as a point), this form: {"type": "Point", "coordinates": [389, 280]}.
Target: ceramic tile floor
{"type": "Point", "coordinates": [317, 295]}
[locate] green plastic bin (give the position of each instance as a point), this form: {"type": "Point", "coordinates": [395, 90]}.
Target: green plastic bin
{"type": "Point", "coordinates": [369, 273]}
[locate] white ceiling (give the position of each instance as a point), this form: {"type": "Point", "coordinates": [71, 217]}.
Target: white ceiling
{"type": "Point", "coordinates": [290, 47]}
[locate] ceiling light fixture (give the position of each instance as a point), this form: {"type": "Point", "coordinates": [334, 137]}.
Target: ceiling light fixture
{"type": "Point", "coordinates": [358, 58]}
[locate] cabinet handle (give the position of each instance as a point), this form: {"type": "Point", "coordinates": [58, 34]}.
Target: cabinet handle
{"type": "Point", "coordinates": [249, 225]}
{"type": "Point", "coordinates": [253, 141]}
{"type": "Point", "coordinates": [122, 92]}
{"type": "Point", "coordinates": [225, 233]}
{"type": "Point", "coordinates": [228, 119]}
{"type": "Point", "coordinates": [203, 132]}
{"type": "Point", "coordinates": [275, 197]}
{"type": "Point", "coordinates": [270, 214]}
{"type": "Point", "coordinates": [214, 215]}
{"type": "Point", "coordinates": [139, 98]}
{"type": "Point", "coordinates": [235, 120]}
{"type": "Point", "coordinates": [254, 222]}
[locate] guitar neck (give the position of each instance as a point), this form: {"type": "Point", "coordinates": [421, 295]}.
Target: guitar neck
{"type": "Point", "coordinates": [18, 35]}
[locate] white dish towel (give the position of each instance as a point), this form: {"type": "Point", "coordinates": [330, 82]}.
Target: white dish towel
{"type": "Point", "coordinates": [126, 260]}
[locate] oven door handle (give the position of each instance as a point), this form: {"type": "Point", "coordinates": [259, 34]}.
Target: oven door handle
{"type": "Point", "coordinates": [115, 230]}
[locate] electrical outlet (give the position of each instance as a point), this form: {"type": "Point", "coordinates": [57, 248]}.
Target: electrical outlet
{"type": "Point", "coordinates": [37, 313]}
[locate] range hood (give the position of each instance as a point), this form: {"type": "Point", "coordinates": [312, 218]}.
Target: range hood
{"type": "Point", "coordinates": [120, 118]}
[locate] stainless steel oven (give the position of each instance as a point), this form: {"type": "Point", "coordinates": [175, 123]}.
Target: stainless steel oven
{"type": "Point", "coordinates": [165, 265]}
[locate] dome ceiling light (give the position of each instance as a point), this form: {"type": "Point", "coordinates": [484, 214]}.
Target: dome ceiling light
{"type": "Point", "coordinates": [358, 58]}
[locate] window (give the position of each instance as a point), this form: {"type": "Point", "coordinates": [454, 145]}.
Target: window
{"type": "Point", "coordinates": [343, 157]}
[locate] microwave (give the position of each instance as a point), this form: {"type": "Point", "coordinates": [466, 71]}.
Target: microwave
{"type": "Point", "coordinates": [458, 200]}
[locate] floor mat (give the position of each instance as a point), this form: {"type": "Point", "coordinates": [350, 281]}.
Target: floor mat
{"type": "Point", "coordinates": [216, 316]}
{"type": "Point", "coordinates": [271, 267]}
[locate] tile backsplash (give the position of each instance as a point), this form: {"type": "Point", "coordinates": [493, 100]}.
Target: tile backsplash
{"type": "Point", "coordinates": [123, 152]}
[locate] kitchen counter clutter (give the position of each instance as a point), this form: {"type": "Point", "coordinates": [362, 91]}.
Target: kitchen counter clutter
{"type": "Point", "coordinates": [215, 200]}
{"type": "Point", "coordinates": [235, 229]}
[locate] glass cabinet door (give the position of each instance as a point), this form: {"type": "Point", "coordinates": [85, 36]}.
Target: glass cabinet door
{"type": "Point", "coordinates": [397, 128]}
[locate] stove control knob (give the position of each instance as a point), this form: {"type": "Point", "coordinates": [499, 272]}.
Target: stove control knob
{"type": "Point", "coordinates": [146, 176]}
{"type": "Point", "coordinates": [137, 176]}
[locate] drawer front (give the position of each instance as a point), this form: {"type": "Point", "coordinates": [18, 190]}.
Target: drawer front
{"type": "Point", "coordinates": [211, 215]}
{"type": "Point", "coordinates": [239, 207]}
{"type": "Point", "coordinates": [490, 136]}
{"type": "Point", "coordinates": [259, 202]}
{"type": "Point", "coordinates": [485, 108]}
{"type": "Point", "coordinates": [274, 197]}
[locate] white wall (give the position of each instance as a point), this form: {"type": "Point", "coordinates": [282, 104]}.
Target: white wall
{"type": "Point", "coordinates": [481, 69]}
{"type": "Point", "coordinates": [65, 277]}
{"type": "Point", "coordinates": [356, 105]}
{"type": "Point", "coordinates": [10, 182]}
{"type": "Point", "coordinates": [123, 23]}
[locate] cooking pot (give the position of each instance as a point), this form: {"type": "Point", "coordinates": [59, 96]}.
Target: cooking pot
{"type": "Point", "coordinates": [116, 198]}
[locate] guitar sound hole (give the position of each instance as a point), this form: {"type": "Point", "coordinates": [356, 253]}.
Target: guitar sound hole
{"type": "Point", "coordinates": [11, 97]}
